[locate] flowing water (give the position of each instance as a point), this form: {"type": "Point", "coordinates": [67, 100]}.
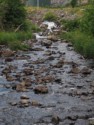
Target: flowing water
{"type": "Point", "coordinates": [70, 95]}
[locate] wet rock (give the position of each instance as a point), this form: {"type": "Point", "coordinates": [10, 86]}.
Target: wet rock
{"type": "Point", "coordinates": [55, 119]}
{"type": "Point", "coordinates": [10, 78]}
{"type": "Point", "coordinates": [45, 79]}
{"type": "Point", "coordinates": [59, 64]}
{"type": "Point", "coordinates": [27, 82]}
{"type": "Point", "coordinates": [72, 91]}
{"type": "Point", "coordinates": [28, 71]}
{"type": "Point", "coordinates": [51, 58]}
{"type": "Point", "coordinates": [75, 70]}
{"type": "Point", "coordinates": [52, 38]}
{"type": "Point", "coordinates": [46, 43]}
{"type": "Point", "coordinates": [13, 103]}
{"type": "Point", "coordinates": [21, 87]}
{"type": "Point", "coordinates": [8, 59]}
{"type": "Point", "coordinates": [73, 118]}
{"type": "Point", "coordinates": [91, 121]}
{"type": "Point", "coordinates": [43, 27]}
{"type": "Point", "coordinates": [8, 53]}
{"type": "Point", "coordinates": [24, 103]}
{"type": "Point", "coordinates": [35, 103]}
{"type": "Point", "coordinates": [8, 86]}
{"type": "Point", "coordinates": [86, 71]}
{"type": "Point", "coordinates": [37, 49]}
{"type": "Point", "coordinates": [69, 45]}
{"type": "Point", "coordinates": [58, 80]}
{"type": "Point", "coordinates": [41, 89]}
{"type": "Point", "coordinates": [24, 97]}
{"type": "Point", "coordinates": [6, 70]}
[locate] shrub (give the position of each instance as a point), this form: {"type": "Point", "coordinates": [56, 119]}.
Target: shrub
{"type": "Point", "coordinates": [73, 3]}
{"type": "Point", "coordinates": [14, 15]}
{"type": "Point", "coordinates": [70, 25]}
{"type": "Point", "coordinates": [50, 17]}
{"type": "Point", "coordinates": [87, 22]}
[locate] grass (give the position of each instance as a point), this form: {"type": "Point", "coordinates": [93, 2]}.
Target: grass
{"type": "Point", "coordinates": [50, 16]}
{"type": "Point", "coordinates": [14, 40]}
{"type": "Point", "coordinates": [83, 43]}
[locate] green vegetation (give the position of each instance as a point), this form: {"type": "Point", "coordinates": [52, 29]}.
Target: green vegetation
{"type": "Point", "coordinates": [70, 25]}
{"type": "Point", "coordinates": [14, 39]}
{"type": "Point", "coordinates": [14, 14]}
{"type": "Point", "coordinates": [50, 16]}
{"type": "Point", "coordinates": [81, 32]}
{"type": "Point", "coordinates": [14, 27]}
{"type": "Point", "coordinates": [73, 3]}
{"type": "Point", "coordinates": [83, 43]}
{"type": "Point", "coordinates": [87, 22]}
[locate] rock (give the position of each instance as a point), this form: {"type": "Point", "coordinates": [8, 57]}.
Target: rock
{"type": "Point", "coordinates": [91, 121]}
{"type": "Point", "coordinates": [10, 78]}
{"type": "Point", "coordinates": [69, 45]}
{"type": "Point", "coordinates": [24, 103]}
{"type": "Point", "coordinates": [52, 38]}
{"type": "Point", "coordinates": [43, 27]}
{"type": "Point", "coordinates": [59, 64]}
{"type": "Point", "coordinates": [86, 71]}
{"type": "Point", "coordinates": [8, 59]}
{"type": "Point", "coordinates": [45, 79]}
{"type": "Point", "coordinates": [35, 103]}
{"type": "Point", "coordinates": [6, 70]}
{"type": "Point", "coordinates": [24, 97]}
{"type": "Point", "coordinates": [41, 89]}
{"type": "Point", "coordinates": [8, 53]}
{"type": "Point", "coordinates": [28, 71]}
{"type": "Point", "coordinates": [62, 15]}
{"type": "Point", "coordinates": [21, 87]}
{"type": "Point", "coordinates": [13, 103]}
{"type": "Point", "coordinates": [37, 49]}
{"type": "Point", "coordinates": [46, 43]}
{"type": "Point", "coordinates": [75, 70]}
{"type": "Point", "coordinates": [55, 120]}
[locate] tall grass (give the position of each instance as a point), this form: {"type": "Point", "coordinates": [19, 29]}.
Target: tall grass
{"type": "Point", "coordinates": [83, 43]}
{"type": "Point", "coordinates": [14, 40]}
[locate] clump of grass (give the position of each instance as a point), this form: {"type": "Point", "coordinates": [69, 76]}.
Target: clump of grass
{"type": "Point", "coordinates": [70, 24]}
{"type": "Point", "coordinates": [50, 16]}
{"type": "Point", "coordinates": [83, 43]}
{"type": "Point", "coordinates": [14, 40]}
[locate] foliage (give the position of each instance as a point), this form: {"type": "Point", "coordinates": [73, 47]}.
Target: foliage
{"type": "Point", "coordinates": [13, 40]}
{"type": "Point", "coordinates": [70, 24]}
{"type": "Point", "coordinates": [82, 42]}
{"type": "Point", "coordinates": [87, 22]}
{"type": "Point", "coordinates": [50, 16]}
{"type": "Point", "coordinates": [14, 14]}
{"type": "Point", "coordinates": [73, 3]}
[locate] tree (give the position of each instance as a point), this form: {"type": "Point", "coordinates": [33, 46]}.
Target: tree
{"type": "Point", "coordinates": [15, 14]}
{"type": "Point", "coordinates": [73, 3]}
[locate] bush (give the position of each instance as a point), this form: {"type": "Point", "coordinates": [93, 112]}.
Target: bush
{"type": "Point", "coordinates": [87, 22]}
{"type": "Point", "coordinates": [83, 43]}
{"type": "Point", "coordinates": [70, 25]}
{"type": "Point", "coordinates": [73, 3]}
{"type": "Point", "coordinates": [50, 17]}
{"type": "Point", "coordinates": [14, 14]}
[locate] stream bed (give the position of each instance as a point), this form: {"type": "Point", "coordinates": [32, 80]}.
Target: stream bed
{"type": "Point", "coordinates": [66, 78]}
